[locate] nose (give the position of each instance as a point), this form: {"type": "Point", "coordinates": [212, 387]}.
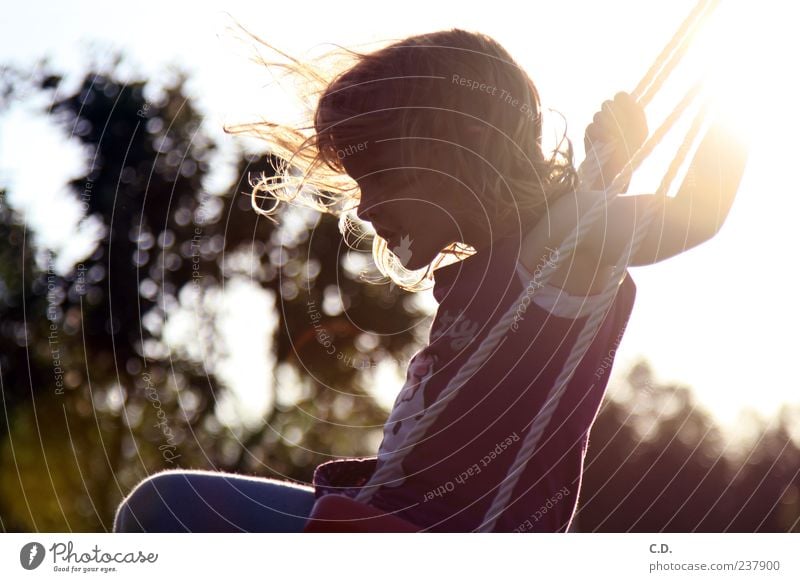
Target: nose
{"type": "Point", "coordinates": [365, 211]}
{"type": "Point", "coordinates": [367, 207]}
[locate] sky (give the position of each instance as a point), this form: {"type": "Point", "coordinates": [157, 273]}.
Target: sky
{"type": "Point", "coordinates": [720, 318]}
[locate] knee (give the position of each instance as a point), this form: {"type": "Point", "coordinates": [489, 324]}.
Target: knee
{"type": "Point", "coordinates": [149, 507]}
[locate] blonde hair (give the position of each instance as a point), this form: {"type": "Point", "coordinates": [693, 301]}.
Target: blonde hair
{"type": "Point", "coordinates": [435, 87]}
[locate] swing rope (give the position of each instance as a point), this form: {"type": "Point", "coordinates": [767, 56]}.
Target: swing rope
{"type": "Point", "coordinates": [501, 500]}
{"type": "Point", "coordinates": [588, 172]}
{"type": "Point", "coordinates": [673, 52]}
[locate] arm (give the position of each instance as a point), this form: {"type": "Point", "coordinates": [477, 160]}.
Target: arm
{"type": "Point", "coordinates": [682, 222]}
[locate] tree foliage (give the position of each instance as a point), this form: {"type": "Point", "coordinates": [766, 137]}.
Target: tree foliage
{"type": "Point", "coordinates": [96, 398]}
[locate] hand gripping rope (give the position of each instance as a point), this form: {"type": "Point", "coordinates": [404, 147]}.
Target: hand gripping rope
{"type": "Point", "coordinates": [587, 174]}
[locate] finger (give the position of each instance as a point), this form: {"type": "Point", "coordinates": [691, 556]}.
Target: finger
{"type": "Point", "coordinates": [625, 102]}
{"type": "Point", "coordinates": [624, 98]}
{"type": "Point", "coordinates": [609, 119]}
{"type": "Point", "coordinates": [629, 118]}
{"type": "Point", "coordinates": [596, 129]}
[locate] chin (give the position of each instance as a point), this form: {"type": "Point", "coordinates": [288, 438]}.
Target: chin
{"type": "Point", "coordinates": [416, 261]}
{"type": "Point", "coordinates": [415, 254]}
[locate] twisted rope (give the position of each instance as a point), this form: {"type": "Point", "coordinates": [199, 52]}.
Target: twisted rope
{"type": "Point", "coordinates": [587, 335]}
{"type": "Point", "coordinates": [673, 52]}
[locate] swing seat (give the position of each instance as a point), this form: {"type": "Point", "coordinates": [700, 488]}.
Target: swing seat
{"type": "Point", "coordinates": [339, 513]}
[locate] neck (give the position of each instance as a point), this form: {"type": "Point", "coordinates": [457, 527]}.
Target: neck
{"type": "Point", "coordinates": [482, 238]}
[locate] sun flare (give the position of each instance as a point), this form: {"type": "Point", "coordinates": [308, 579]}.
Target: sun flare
{"type": "Point", "coordinates": [743, 55]}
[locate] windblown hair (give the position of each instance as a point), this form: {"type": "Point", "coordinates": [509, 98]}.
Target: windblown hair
{"type": "Point", "coordinates": [456, 92]}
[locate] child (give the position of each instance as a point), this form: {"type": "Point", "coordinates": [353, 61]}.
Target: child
{"type": "Point", "coordinates": [436, 142]}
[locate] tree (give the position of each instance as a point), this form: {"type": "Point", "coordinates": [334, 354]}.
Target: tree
{"type": "Point", "coordinates": [127, 403]}
{"type": "Point", "coordinates": [658, 462]}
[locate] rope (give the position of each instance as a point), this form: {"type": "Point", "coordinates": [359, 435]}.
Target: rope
{"type": "Point", "coordinates": [587, 174]}
{"type": "Point", "coordinates": [672, 53]}
{"type": "Point", "coordinates": [587, 335]}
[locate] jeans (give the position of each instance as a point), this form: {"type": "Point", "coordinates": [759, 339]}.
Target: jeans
{"type": "Point", "coordinates": [205, 501]}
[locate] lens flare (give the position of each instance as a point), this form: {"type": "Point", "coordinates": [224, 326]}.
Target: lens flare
{"type": "Point", "coordinates": [743, 55]}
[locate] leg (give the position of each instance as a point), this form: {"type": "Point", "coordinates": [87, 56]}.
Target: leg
{"type": "Point", "coordinates": [205, 501]}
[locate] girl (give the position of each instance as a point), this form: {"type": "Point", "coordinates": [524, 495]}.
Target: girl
{"type": "Point", "coordinates": [436, 141]}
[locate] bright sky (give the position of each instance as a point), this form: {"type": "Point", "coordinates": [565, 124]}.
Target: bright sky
{"type": "Point", "coordinates": [719, 318]}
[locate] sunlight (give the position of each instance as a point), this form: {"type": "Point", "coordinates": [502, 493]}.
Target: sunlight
{"type": "Point", "coordinates": [743, 53]}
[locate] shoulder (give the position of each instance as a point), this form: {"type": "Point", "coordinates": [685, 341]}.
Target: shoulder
{"type": "Point", "coordinates": [558, 221]}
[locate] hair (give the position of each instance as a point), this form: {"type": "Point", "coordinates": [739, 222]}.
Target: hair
{"type": "Point", "coordinates": [460, 92]}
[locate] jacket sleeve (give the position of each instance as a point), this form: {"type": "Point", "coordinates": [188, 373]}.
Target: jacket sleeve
{"type": "Point", "coordinates": [343, 476]}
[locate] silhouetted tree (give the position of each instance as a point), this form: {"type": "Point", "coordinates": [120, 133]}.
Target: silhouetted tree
{"type": "Point", "coordinates": [657, 462]}
{"type": "Point", "coordinates": [85, 426]}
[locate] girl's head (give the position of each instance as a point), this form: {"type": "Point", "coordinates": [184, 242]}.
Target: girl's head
{"type": "Point", "coordinates": [435, 140]}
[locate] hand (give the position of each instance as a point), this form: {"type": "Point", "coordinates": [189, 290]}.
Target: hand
{"type": "Point", "coordinates": [621, 122]}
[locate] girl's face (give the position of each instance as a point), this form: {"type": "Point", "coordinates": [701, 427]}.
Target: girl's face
{"type": "Point", "coordinates": [418, 211]}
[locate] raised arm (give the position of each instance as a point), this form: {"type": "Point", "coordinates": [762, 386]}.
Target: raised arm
{"type": "Point", "coordinates": [693, 216]}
